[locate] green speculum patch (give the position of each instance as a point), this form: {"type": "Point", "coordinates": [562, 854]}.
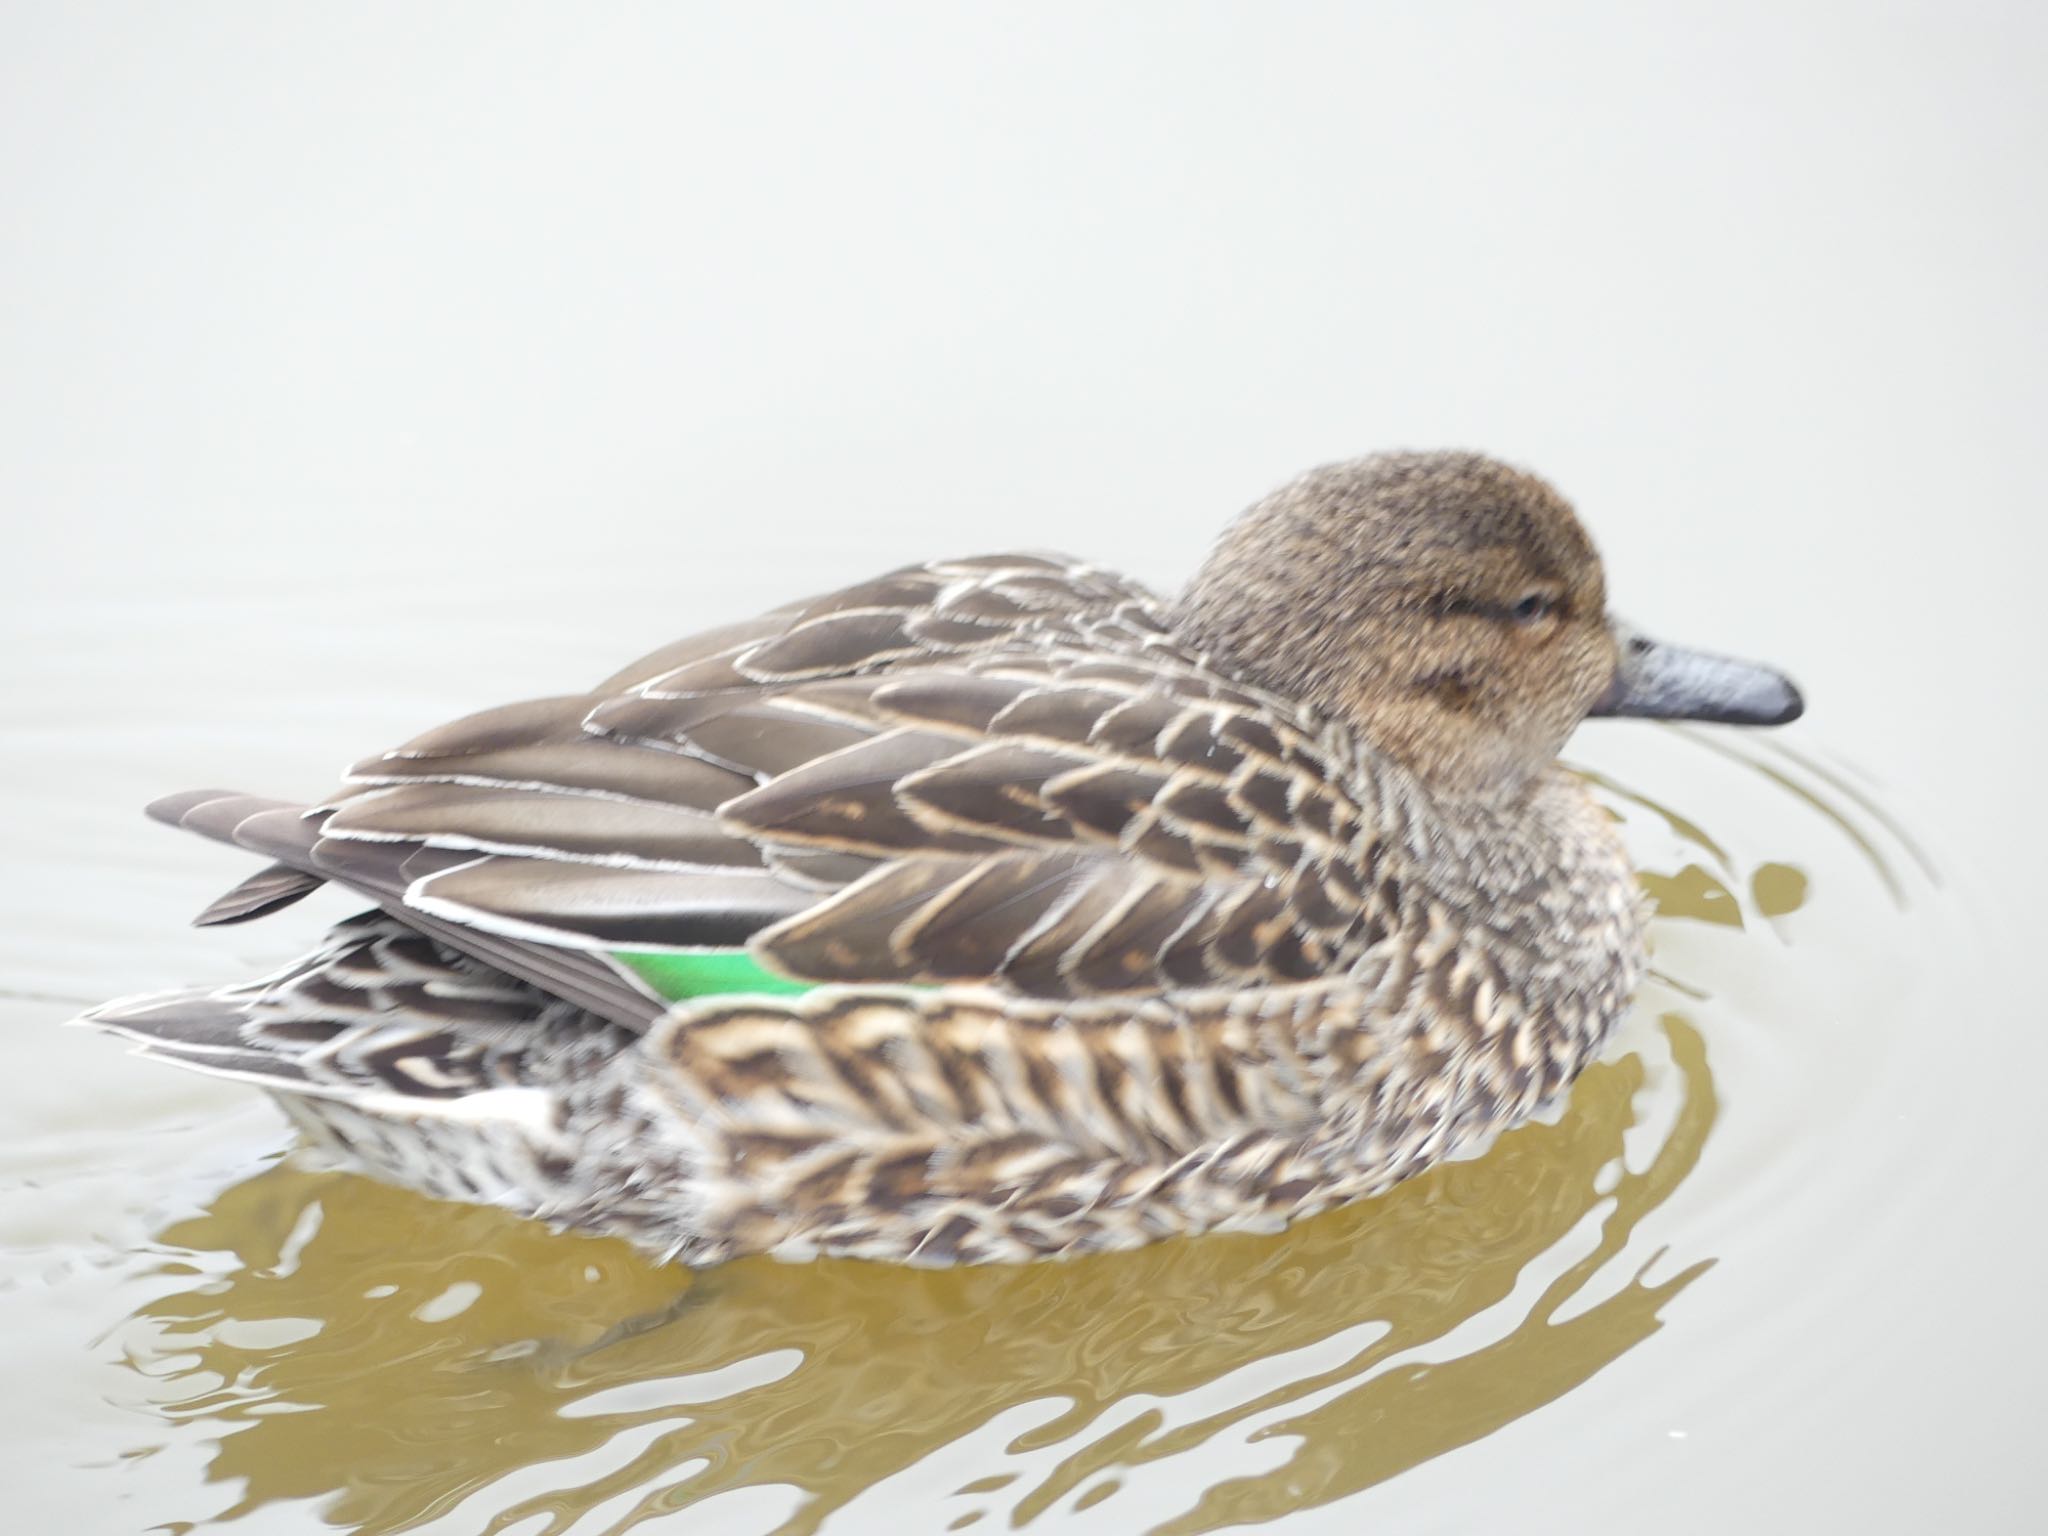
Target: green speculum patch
{"type": "Point", "coordinates": [679, 975]}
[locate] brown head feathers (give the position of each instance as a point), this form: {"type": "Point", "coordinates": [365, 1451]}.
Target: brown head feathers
{"type": "Point", "coordinates": [1446, 606]}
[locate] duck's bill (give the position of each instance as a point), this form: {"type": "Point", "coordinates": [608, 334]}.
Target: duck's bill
{"type": "Point", "coordinates": [1667, 682]}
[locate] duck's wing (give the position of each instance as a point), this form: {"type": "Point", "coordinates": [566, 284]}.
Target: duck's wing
{"type": "Point", "coordinates": [1090, 817]}
{"type": "Point", "coordinates": [1000, 770]}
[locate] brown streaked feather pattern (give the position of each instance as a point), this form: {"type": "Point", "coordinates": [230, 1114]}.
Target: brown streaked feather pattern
{"type": "Point", "coordinates": [968, 1124]}
{"type": "Point", "coordinates": [378, 1008]}
{"type": "Point", "coordinates": [1123, 831]}
{"type": "Point", "coordinates": [398, 1054]}
{"type": "Point", "coordinates": [597, 820]}
{"type": "Point", "coordinates": [1112, 942]}
{"type": "Point", "coordinates": [388, 873]}
{"type": "Point", "coordinates": [1042, 707]}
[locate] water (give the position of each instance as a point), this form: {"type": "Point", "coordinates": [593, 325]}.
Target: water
{"type": "Point", "coordinates": [354, 377]}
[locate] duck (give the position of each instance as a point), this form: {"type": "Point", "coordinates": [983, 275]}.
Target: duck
{"type": "Point", "coordinates": [991, 909]}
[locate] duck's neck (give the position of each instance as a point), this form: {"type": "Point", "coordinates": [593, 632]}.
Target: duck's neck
{"type": "Point", "coordinates": [1542, 865]}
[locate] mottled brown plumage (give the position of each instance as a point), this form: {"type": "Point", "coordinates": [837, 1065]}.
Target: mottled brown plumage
{"type": "Point", "coordinates": [1126, 917]}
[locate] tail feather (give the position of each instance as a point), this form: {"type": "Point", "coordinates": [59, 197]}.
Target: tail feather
{"type": "Point", "coordinates": [204, 1030]}
{"type": "Point", "coordinates": [400, 1057]}
{"type": "Point", "coordinates": [285, 831]}
{"type": "Point", "coordinates": [243, 1066]}
{"type": "Point", "coordinates": [378, 1008]}
{"type": "Point", "coordinates": [270, 889]}
{"type": "Point", "coordinates": [290, 835]}
{"type": "Point", "coordinates": [191, 1019]}
{"type": "Point", "coordinates": [220, 814]}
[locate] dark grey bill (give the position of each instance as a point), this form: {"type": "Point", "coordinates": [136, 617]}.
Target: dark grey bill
{"type": "Point", "coordinates": [1666, 682]}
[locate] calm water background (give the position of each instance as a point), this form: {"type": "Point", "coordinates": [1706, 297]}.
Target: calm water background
{"type": "Point", "coordinates": [359, 368]}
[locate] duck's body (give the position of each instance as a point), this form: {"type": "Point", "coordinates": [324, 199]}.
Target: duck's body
{"type": "Point", "coordinates": [987, 910]}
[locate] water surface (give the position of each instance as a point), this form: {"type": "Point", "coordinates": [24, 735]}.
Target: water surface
{"type": "Point", "coordinates": [361, 367]}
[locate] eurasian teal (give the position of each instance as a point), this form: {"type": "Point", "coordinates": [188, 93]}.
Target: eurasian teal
{"type": "Point", "coordinates": [992, 908]}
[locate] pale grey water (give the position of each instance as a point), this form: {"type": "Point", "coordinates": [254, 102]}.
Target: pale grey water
{"type": "Point", "coordinates": [362, 368]}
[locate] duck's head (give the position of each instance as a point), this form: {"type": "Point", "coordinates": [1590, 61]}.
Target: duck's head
{"type": "Point", "coordinates": [1452, 610]}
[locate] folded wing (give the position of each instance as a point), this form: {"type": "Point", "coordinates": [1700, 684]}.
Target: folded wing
{"type": "Point", "coordinates": [999, 770]}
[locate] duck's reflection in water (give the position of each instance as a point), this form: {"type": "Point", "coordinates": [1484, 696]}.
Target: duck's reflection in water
{"type": "Point", "coordinates": [407, 1363]}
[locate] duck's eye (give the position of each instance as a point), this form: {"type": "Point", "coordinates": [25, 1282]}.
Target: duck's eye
{"type": "Point", "coordinates": [1533, 608]}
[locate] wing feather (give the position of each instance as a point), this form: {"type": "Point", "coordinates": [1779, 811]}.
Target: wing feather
{"type": "Point", "coordinates": [999, 770]}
